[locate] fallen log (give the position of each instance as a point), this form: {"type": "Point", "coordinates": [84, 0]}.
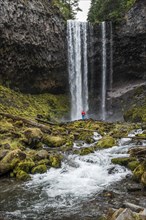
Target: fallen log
{"type": "Point", "coordinates": [135, 137]}
{"type": "Point", "coordinates": [133, 207]}
{"type": "Point", "coordinates": [43, 128]}
{"type": "Point", "coordinates": [46, 122]}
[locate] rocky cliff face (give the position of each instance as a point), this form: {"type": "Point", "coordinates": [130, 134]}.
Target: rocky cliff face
{"type": "Point", "coordinates": [32, 46]}
{"type": "Point", "coordinates": [128, 41]}
{"type": "Point", "coordinates": [130, 45]}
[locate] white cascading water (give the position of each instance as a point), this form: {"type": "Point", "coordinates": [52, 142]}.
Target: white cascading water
{"type": "Point", "coordinates": [104, 70]}
{"type": "Point", "coordinates": [60, 193]}
{"type": "Point", "coordinates": [111, 56]}
{"type": "Point", "coordinates": [110, 110]}
{"type": "Point", "coordinates": [77, 67]}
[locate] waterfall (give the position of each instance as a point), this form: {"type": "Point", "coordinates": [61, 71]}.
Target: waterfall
{"type": "Point", "coordinates": [77, 67]}
{"type": "Point", "coordinates": [111, 69]}
{"type": "Point", "coordinates": [104, 70]}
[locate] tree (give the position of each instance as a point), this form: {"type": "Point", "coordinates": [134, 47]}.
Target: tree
{"type": "Point", "coordinates": [68, 8]}
{"type": "Point", "coordinates": [102, 10]}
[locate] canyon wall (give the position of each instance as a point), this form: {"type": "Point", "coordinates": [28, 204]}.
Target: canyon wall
{"type": "Point", "coordinates": [33, 53]}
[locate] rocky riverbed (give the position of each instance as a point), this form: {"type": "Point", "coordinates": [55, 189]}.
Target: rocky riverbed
{"type": "Point", "coordinates": [70, 170]}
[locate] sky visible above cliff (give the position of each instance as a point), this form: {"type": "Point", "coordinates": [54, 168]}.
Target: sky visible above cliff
{"type": "Point", "coordinates": [84, 5]}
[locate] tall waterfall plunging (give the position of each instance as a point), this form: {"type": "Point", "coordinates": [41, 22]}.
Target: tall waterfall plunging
{"type": "Point", "coordinates": [77, 67]}
{"type": "Point", "coordinates": [104, 71]}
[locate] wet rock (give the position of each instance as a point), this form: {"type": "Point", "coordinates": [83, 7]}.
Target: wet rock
{"type": "Point", "coordinates": [123, 160]}
{"type": "Point", "coordinates": [138, 172]}
{"type": "Point", "coordinates": [106, 142]}
{"type": "Point", "coordinates": [25, 165]}
{"type": "Point", "coordinates": [33, 137]}
{"type": "Point", "coordinates": [22, 175]}
{"type": "Point", "coordinates": [55, 161]}
{"type": "Point", "coordinates": [15, 154]}
{"type": "Point", "coordinates": [142, 214]}
{"type": "Point", "coordinates": [42, 154]}
{"type": "Point", "coordinates": [54, 141]}
{"type": "Point", "coordinates": [133, 207]}
{"type": "Point", "coordinates": [4, 168]}
{"type": "Point", "coordinates": [39, 169]}
{"type": "Point", "coordinates": [124, 214]}
{"type": "Point", "coordinates": [84, 151]}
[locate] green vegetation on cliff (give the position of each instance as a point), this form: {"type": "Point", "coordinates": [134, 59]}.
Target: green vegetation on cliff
{"type": "Point", "coordinates": [51, 107]}
{"type": "Point", "coordinates": [102, 10]}
{"type": "Point", "coordinates": [68, 8]}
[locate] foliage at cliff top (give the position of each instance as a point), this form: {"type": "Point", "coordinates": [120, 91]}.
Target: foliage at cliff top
{"type": "Point", "coordinates": [51, 107]}
{"type": "Point", "coordinates": [103, 10]}
{"type": "Point", "coordinates": [68, 8]}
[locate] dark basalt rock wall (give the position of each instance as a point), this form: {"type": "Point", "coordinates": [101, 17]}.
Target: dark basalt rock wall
{"type": "Point", "coordinates": [130, 45]}
{"type": "Point", "coordinates": [32, 46]}
{"type": "Point", "coordinates": [128, 66]}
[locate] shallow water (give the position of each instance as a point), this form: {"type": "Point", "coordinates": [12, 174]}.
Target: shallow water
{"type": "Point", "coordinates": [70, 192]}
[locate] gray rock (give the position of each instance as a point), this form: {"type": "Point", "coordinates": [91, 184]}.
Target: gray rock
{"type": "Point", "coordinates": [32, 46]}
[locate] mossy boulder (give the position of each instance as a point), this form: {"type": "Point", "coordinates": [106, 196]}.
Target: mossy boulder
{"type": "Point", "coordinates": [123, 161]}
{"type": "Point", "coordinates": [133, 164]}
{"type": "Point", "coordinates": [87, 137]}
{"type": "Point", "coordinates": [17, 154]}
{"type": "Point", "coordinates": [33, 136]}
{"type": "Point", "coordinates": [120, 130]}
{"type": "Point", "coordinates": [143, 178]}
{"type": "Point", "coordinates": [67, 147]}
{"type": "Point", "coordinates": [5, 168]}
{"type": "Point", "coordinates": [84, 151]}
{"type": "Point", "coordinates": [41, 154]}
{"type": "Point", "coordinates": [106, 142]}
{"type": "Point", "coordinates": [54, 141]}
{"type": "Point", "coordinates": [44, 161]}
{"type": "Point", "coordinates": [55, 160]}
{"type": "Point", "coordinates": [22, 175]}
{"type": "Point", "coordinates": [42, 168]}
{"type": "Point", "coordinates": [25, 165]}
{"type": "Point", "coordinates": [138, 172]}
{"type": "Point", "coordinates": [10, 161]}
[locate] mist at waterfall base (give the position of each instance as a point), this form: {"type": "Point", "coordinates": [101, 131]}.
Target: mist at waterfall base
{"type": "Point", "coordinates": [89, 84]}
{"type": "Point", "coordinates": [70, 192]}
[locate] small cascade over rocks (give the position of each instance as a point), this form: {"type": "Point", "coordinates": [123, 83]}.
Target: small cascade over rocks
{"type": "Point", "coordinates": [77, 67]}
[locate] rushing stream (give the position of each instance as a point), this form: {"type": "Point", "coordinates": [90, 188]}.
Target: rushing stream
{"type": "Point", "coordinates": [67, 192]}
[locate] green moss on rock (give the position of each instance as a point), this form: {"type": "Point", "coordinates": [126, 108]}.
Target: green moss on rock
{"type": "Point", "coordinates": [22, 175]}
{"type": "Point", "coordinates": [25, 165]}
{"type": "Point", "coordinates": [133, 164]}
{"type": "Point", "coordinates": [136, 114]}
{"type": "Point", "coordinates": [5, 168]}
{"type": "Point", "coordinates": [84, 151]}
{"type": "Point", "coordinates": [33, 133]}
{"type": "Point", "coordinates": [106, 142]}
{"type": "Point", "coordinates": [41, 154]}
{"type": "Point", "coordinates": [123, 161]}
{"type": "Point", "coordinates": [54, 141]}
{"type": "Point", "coordinates": [14, 154]}
{"type": "Point", "coordinates": [138, 172]}
{"type": "Point", "coordinates": [55, 161]}
{"type": "Point", "coordinates": [50, 106]}
{"type": "Point", "coordinates": [42, 168]}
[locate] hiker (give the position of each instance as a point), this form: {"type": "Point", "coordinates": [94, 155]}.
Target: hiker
{"type": "Point", "coordinates": [83, 115]}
